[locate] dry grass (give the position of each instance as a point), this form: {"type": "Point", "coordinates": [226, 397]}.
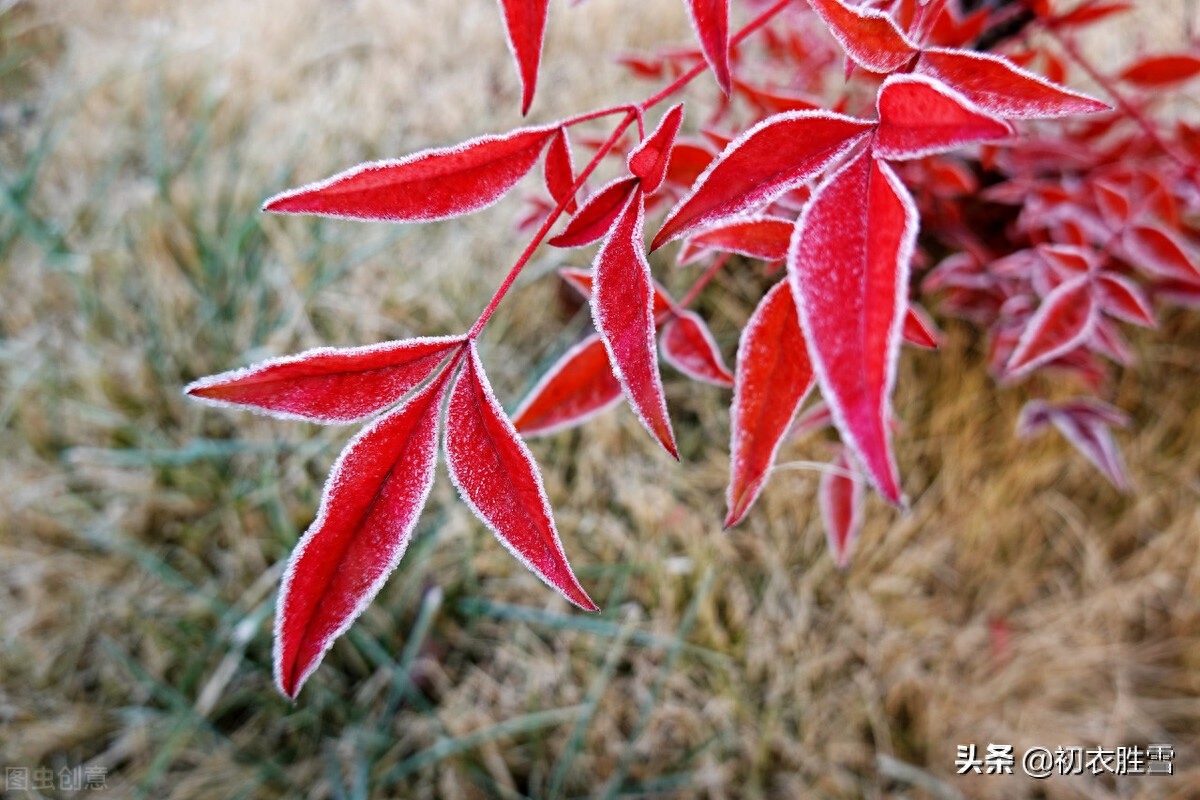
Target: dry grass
{"type": "Point", "coordinates": [141, 537]}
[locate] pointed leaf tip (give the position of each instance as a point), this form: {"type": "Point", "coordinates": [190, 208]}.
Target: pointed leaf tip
{"type": "Point", "coordinates": [870, 37]}
{"type": "Point", "coordinates": [369, 507]}
{"type": "Point", "coordinates": [525, 29]}
{"type": "Point", "coordinates": [840, 497]}
{"type": "Point", "coordinates": [920, 116]}
{"type": "Point", "coordinates": [848, 267]}
{"type": "Point", "coordinates": [710, 19]}
{"type": "Point", "coordinates": [648, 162]}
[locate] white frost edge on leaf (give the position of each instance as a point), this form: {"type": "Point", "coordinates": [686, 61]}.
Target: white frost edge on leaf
{"type": "Point", "coordinates": [1113, 306]}
{"type": "Point", "coordinates": [951, 94]}
{"type": "Point", "coordinates": [586, 203]}
{"type": "Point", "coordinates": [470, 205]}
{"type": "Point", "coordinates": [526, 91]}
{"type": "Point", "coordinates": [473, 371]}
{"type": "Point", "coordinates": [1030, 333]}
{"type": "Point", "coordinates": [665, 154]}
{"type": "Point", "coordinates": [730, 222]}
{"type": "Point", "coordinates": [895, 338]}
{"type": "Point", "coordinates": [262, 366]}
{"type": "Point", "coordinates": [862, 12]}
{"type": "Point", "coordinates": [1010, 112]}
{"type": "Point", "coordinates": [798, 180]}
{"type": "Point", "coordinates": [714, 352]}
{"type": "Point", "coordinates": [634, 206]}
{"type": "Point", "coordinates": [1105, 456]}
{"type": "Point", "coordinates": [844, 470]}
{"type": "Point", "coordinates": [335, 480]}
{"type": "Point", "coordinates": [736, 438]}
{"type": "Point", "coordinates": [550, 375]}
{"type": "Point", "coordinates": [695, 23]}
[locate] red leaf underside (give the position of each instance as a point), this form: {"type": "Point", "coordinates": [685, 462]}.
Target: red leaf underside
{"type": "Point", "coordinates": [430, 185]}
{"type": "Point", "coordinates": [848, 267]}
{"type": "Point", "coordinates": [999, 87]}
{"type": "Point", "coordinates": [710, 18]}
{"type": "Point", "coordinates": [497, 477]}
{"type": "Point", "coordinates": [869, 37]}
{"type": "Point", "coordinates": [773, 377]}
{"type": "Point", "coordinates": [369, 508]}
{"type": "Point", "coordinates": [579, 386]}
{"type": "Point", "coordinates": [623, 311]}
{"type": "Point", "coordinates": [688, 346]}
{"type": "Point", "coordinates": [648, 162]}
{"type": "Point", "coordinates": [919, 116]}
{"type": "Point", "coordinates": [328, 384]}
{"type": "Point", "coordinates": [525, 27]}
{"type": "Point", "coordinates": [776, 155]}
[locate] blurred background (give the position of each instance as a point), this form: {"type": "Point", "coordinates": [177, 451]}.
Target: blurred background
{"type": "Point", "coordinates": [1021, 601]}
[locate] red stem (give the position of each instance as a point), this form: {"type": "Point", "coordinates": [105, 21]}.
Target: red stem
{"type": "Point", "coordinates": [632, 113]}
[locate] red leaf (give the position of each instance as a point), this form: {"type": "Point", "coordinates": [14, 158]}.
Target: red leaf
{"type": "Point", "coordinates": [1158, 253]}
{"type": "Point", "coordinates": [623, 311]}
{"type": "Point", "coordinates": [688, 161]}
{"type": "Point", "coordinates": [1061, 323]}
{"type": "Point", "coordinates": [776, 155]}
{"type": "Point", "coordinates": [579, 386]}
{"type": "Point", "coordinates": [710, 18]}
{"type": "Point", "coordinates": [817, 417]}
{"type": "Point", "coordinates": [870, 37]}
{"type": "Point", "coordinates": [648, 162]}
{"type": "Point", "coordinates": [1162, 70]}
{"type": "Point", "coordinates": [525, 28]}
{"type": "Point", "coordinates": [369, 508]}
{"type": "Point", "coordinates": [581, 279]}
{"type": "Point", "coordinates": [1086, 425]}
{"type": "Point", "coordinates": [560, 176]}
{"type": "Point", "coordinates": [766, 238]}
{"type": "Point", "coordinates": [773, 377]}
{"type": "Point", "coordinates": [497, 477]}
{"type": "Point", "coordinates": [919, 116]}
{"type": "Point", "coordinates": [999, 87]}
{"type": "Point", "coordinates": [919, 329]}
{"type": "Point", "coordinates": [423, 187]}
{"type": "Point", "coordinates": [595, 217]}
{"type": "Point", "coordinates": [848, 267]}
{"type": "Point", "coordinates": [840, 497]}
{"type": "Point", "coordinates": [1087, 13]}
{"type": "Point", "coordinates": [688, 346]}
{"type": "Point", "coordinates": [328, 384]}
{"type": "Point", "coordinates": [1122, 298]}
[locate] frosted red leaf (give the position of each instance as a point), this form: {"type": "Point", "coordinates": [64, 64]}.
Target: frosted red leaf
{"type": "Point", "coordinates": [688, 161]}
{"type": "Point", "coordinates": [773, 377]}
{"type": "Point", "coordinates": [595, 217]}
{"type": "Point", "coordinates": [1061, 323]}
{"type": "Point", "coordinates": [1157, 252]}
{"type": "Point", "coordinates": [816, 417]}
{"type": "Point", "coordinates": [1122, 298]}
{"type": "Point", "coordinates": [1181, 293]}
{"type": "Point", "coordinates": [920, 116]}
{"type": "Point", "coordinates": [648, 162]}
{"type": "Point", "coordinates": [1113, 204]}
{"type": "Point", "coordinates": [559, 174]}
{"type": "Point", "coordinates": [623, 311]}
{"type": "Point", "coordinates": [688, 346]}
{"type": "Point", "coordinates": [1162, 70]}
{"type": "Point", "coordinates": [776, 155]}
{"type": "Point", "coordinates": [328, 384]}
{"type": "Point", "coordinates": [1106, 339]}
{"type": "Point", "coordinates": [848, 266]}
{"type": "Point", "coordinates": [497, 477]}
{"type": "Point", "coordinates": [840, 497]}
{"type": "Point", "coordinates": [579, 386]}
{"type": "Point", "coordinates": [1000, 87]}
{"type": "Point", "coordinates": [1087, 424]}
{"type": "Point", "coordinates": [525, 29]}
{"type": "Point", "coordinates": [1089, 12]}
{"type": "Point", "coordinates": [581, 279]}
{"type": "Point", "coordinates": [766, 238]}
{"type": "Point", "coordinates": [369, 507]}
{"type": "Point", "coordinates": [424, 187]}
{"type": "Point", "coordinates": [919, 329]}
{"type": "Point", "coordinates": [710, 18]}
{"type": "Point", "coordinates": [870, 37]}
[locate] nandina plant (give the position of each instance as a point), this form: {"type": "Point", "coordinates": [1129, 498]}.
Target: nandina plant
{"type": "Point", "coordinates": [856, 145]}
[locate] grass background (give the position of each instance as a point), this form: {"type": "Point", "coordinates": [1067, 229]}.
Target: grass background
{"type": "Point", "coordinates": [142, 537]}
